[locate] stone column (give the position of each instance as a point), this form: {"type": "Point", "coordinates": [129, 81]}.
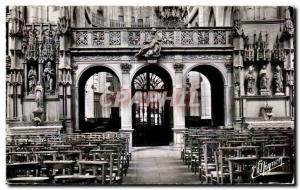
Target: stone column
{"type": "Point", "coordinates": [125, 102]}
{"type": "Point", "coordinates": [228, 91]}
{"type": "Point", "coordinates": [65, 69]}
{"type": "Point", "coordinates": [178, 104]}
{"type": "Point", "coordinates": [238, 74]}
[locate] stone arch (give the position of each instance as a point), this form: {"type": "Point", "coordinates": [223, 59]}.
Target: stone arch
{"type": "Point", "coordinates": [82, 78]}
{"type": "Point", "coordinates": [138, 68]}
{"type": "Point", "coordinates": [79, 73]}
{"type": "Point", "coordinates": [217, 78]}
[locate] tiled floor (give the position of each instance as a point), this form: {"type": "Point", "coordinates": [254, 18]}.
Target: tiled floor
{"type": "Point", "coordinates": [158, 165]}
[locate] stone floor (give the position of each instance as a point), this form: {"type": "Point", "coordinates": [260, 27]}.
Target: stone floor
{"type": "Point", "coordinates": [158, 165]}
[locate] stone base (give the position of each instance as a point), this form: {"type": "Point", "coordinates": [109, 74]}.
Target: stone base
{"type": "Point", "coordinates": [34, 130]}
{"type": "Point", "coordinates": [129, 132]}
{"type": "Point", "coordinates": [152, 60]}
{"type": "Point", "coordinates": [264, 92]}
{"type": "Point", "coordinates": [264, 125]}
{"type": "Point", "coordinates": [178, 137]}
{"type": "Point", "coordinates": [279, 94]}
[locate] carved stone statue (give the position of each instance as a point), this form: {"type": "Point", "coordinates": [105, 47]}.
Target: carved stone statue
{"type": "Point", "coordinates": [250, 82]}
{"type": "Point", "coordinates": [32, 78]}
{"type": "Point", "coordinates": [49, 76]}
{"type": "Point", "coordinates": [151, 47]}
{"type": "Point", "coordinates": [263, 76]}
{"type": "Point", "coordinates": [288, 25]}
{"type": "Point", "coordinates": [278, 78]}
{"type": "Point", "coordinates": [39, 95]}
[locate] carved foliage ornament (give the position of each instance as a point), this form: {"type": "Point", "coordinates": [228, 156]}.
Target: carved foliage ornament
{"type": "Point", "coordinates": [187, 38]}
{"type": "Point", "coordinates": [203, 37]}
{"type": "Point", "coordinates": [219, 37]}
{"type": "Point", "coordinates": [134, 38]}
{"type": "Point", "coordinates": [168, 38]}
{"type": "Point", "coordinates": [125, 67]}
{"type": "Point", "coordinates": [81, 38]}
{"type": "Point", "coordinates": [98, 38]}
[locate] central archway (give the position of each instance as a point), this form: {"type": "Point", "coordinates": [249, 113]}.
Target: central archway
{"type": "Point", "coordinates": [151, 118]}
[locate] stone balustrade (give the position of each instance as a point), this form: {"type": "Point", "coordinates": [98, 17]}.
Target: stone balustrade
{"type": "Point", "coordinates": [134, 38]}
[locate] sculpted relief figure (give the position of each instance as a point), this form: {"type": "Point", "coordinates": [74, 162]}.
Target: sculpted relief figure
{"type": "Point", "coordinates": [263, 85]}
{"type": "Point", "coordinates": [250, 82]}
{"type": "Point", "coordinates": [151, 47]}
{"type": "Point", "coordinates": [49, 76]}
{"type": "Point", "coordinates": [278, 78]}
{"type": "Point", "coordinates": [32, 78]}
{"type": "Point", "coordinates": [39, 95]}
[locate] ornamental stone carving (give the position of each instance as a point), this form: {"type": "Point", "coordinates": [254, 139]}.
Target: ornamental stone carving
{"type": "Point", "coordinates": [187, 38]}
{"type": "Point", "coordinates": [49, 76]}
{"type": "Point", "coordinates": [178, 67]}
{"type": "Point", "coordinates": [134, 38]}
{"type": "Point", "coordinates": [172, 16]}
{"type": "Point", "coordinates": [288, 29]}
{"type": "Point", "coordinates": [30, 44]}
{"type": "Point", "coordinates": [64, 21]}
{"type": "Point", "coordinates": [81, 38]}
{"type": "Point", "coordinates": [168, 38]}
{"type": "Point", "coordinates": [263, 84]}
{"type": "Point", "coordinates": [277, 52]}
{"type": "Point", "coordinates": [203, 37]}
{"type": "Point", "coordinates": [151, 48]}
{"type": "Point", "coordinates": [115, 38]}
{"type": "Point", "coordinates": [17, 23]}
{"type": "Point", "coordinates": [250, 81]}
{"type": "Point", "coordinates": [237, 28]}
{"type": "Point", "coordinates": [98, 38]}
{"type": "Point", "coordinates": [32, 79]}
{"type": "Point", "coordinates": [125, 67]}
{"type": "Point", "coordinates": [278, 81]}
{"type": "Point", "coordinates": [219, 37]}
{"type": "Point", "coordinates": [39, 91]}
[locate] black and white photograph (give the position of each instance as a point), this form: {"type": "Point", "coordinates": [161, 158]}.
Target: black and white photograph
{"type": "Point", "coordinates": [180, 95]}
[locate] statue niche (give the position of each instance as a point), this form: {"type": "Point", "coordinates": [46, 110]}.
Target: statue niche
{"type": "Point", "coordinates": [151, 47]}
{"type": "Point", "coordinates": [32, 79]}
{"type": "Point", "coordinates": [49, 76]}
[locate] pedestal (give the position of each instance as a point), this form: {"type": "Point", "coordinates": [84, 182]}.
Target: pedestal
{"type": "Point", "coordinates": [178, 137]}
{"type": "Point", "coordinates": [128, 132]}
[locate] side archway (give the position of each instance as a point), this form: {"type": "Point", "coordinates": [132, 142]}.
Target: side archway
{"type": "Point", "coordinates": [99, 120]}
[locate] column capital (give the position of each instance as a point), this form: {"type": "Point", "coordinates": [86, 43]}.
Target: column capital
{"type": "Point", "coordinates": [126, 67]}
{"type": "Point", "coordinates": [178, 66]}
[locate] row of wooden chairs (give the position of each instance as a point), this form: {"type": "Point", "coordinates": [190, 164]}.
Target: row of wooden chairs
{"type": "Point", "coordinates": [98, 158]}
{"type": "Point", "coordinates": [228, 156]}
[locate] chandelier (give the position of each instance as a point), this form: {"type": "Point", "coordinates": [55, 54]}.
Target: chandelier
{"type": "Point", "coordinates": [172, 16]}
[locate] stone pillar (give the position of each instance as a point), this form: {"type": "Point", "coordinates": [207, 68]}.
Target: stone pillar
{"type": "Point", "coordinates": [238, 74]}
{"type": "Point", "coordinates": [228, 91]}
{"type": "Point", "coordinates": [65, 70]}
{"type": "Point", "coordinates": [125, 101]}
{"type": "Point", "coordinates": [178, 104]}
{"type": "Point", "coordinates": [15, 79]}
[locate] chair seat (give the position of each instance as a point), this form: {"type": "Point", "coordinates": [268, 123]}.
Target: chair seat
{"type": "Point", "coordinates": [75, 177]}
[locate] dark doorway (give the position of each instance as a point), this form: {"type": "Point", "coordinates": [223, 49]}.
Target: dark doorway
{"type": "Point", "coordinates": [211, 104]}
{"type": "Point", "coordinates": [150, 117]}
{"type": "Point", "coordinates": [98, 84]}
